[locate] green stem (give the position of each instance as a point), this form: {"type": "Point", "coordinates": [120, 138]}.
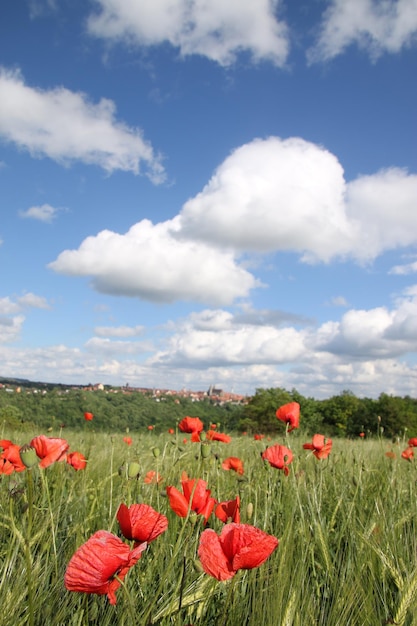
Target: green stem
{"type": "Point", "coordinates": [28, 556]}
{"type": "Point", "coordinates": [172, 561]}
{"type": "Point", "coordinates": [131, 609]}
{"type": "Point", "coordinates": [232, 585]}
{"type": "Point", "coordinates": [51, 516]}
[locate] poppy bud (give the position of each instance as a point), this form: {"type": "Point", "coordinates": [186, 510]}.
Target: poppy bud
{"type": "Point", "coordinates": [202, 436]}
{"type": "Point", "coordinates": [205, 451]}
{"type": "Point", "coordinates": [156, 452]}
{"type": "Point", "coordinates": [28, 455]}
{"type": "Point", "coordinates": [130, 470]}
{"type": "Point", "coordinates": [133, 469]}
{"type": "Point", "coordinates": [249, 510]}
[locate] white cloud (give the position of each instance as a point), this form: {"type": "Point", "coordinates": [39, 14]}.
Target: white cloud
{"type": "Point", "coordinates": [149, 263]}
{"type": "Point", "coordinates": [339, 301]}
{"type": "Point", "coordinates": [44, 213]}
{"type": "Point", "coordinates": [106, 347]}
{"type": "Point", "coordinates": [383, 206]}
{"type": "Point", "coordinates": [119, 331]}
{"type": "Point", "coordinates": [373, 25]}
{"type": "Point", "coordinates": [8, 307]}
{"type": "Point", "coordinates": [406, 268]}
{"type": "Point", "coordinates": [65, 126]}
{"type": "Point", "coordinates": [375, 333]}
{"type": "Point", "coordinates": [269, 195]}
{"type": "Point", "coordinates": [10, 328]}
{"type": "Point", "coordinates": [33, 301]}
{"type": "Point", "coordinates": [217, 29]}
{"type": "Point", "coordinates": [365, 352]}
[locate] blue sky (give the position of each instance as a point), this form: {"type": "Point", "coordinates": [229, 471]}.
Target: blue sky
{"type": "Point", "coordinates": [197, 193]}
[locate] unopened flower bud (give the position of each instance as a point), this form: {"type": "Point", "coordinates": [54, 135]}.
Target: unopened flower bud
{"type": "Point", "coordinates": [205, 451]}
{"type": "Point", "coordinates": [28, 455]}
{"type": "Point", "coordinates": [130, 470]}
{"type": "Point", "coordinates": [156, 452]}
{"type": "Point", "coordinates": [249, 510]}
{"type": "Point", "coordinates": [202, 436]}
{"type": "Point", "coordinates": [133, 469]}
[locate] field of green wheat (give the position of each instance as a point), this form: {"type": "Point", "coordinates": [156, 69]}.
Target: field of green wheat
{"type": "Point", "coordinates": [346, 527]}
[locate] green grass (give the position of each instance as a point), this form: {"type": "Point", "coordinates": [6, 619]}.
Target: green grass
{"type": "Point", "coordinates": [347, 528]}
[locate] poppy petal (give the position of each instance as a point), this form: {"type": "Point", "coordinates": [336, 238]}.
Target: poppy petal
{"type": "Point", "coordinates": [177, 501]}
{"type": "Point", "coordinates": [212, 557]}
{"type": "Point", "coordinates": [95, 564]}
{"type": "Point", "coordinates": [246, 546]}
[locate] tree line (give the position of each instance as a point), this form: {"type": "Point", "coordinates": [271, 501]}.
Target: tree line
{"type": "Point", "coordinates": [343, 415]}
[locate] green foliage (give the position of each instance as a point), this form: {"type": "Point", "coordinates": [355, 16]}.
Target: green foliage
{"type": "Point", "coordinates": [343, 415]}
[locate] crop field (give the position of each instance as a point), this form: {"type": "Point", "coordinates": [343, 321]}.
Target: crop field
{"type": "Point", "coordinates": [283, 538]}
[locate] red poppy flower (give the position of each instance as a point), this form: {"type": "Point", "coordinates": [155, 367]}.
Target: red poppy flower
{"type": "Point", "coordinates": [290, 414]}
{"type": "Point", "coordinates": [127, 440]}
{"type": "Point", "coordinates": [213, 436]}
{"type": "Point", "coordinates": [258, 437]}
{"type": "Point", "coordinates": [192, 425]}
{"type": "Point", "coordinates": [195, 497]}
{"type": "Point", "coordinates": [279, 457]}
{"type": "Point", "coordinates": [152, 477]}
{"type": "Point", "coordinates": [49, 449]}
{"type": "Point", "coordinates": [5, 443]}
{"type": "Point", "coordinates": [96, 564]}
{"type": "Point", "coordinates": [12, 455]}
{"type": "Point", "coordinates": [6, 467]}
{"type": "Point", "coordinates": [390, 454]}
{"type": "Point", "coordinates": [213, 426]}
{"type": "Point", "coordinates": [411, 442]}
{"type": "Point", "coordinates": [233, 463]}
{"type": "Point", "coordinates": [362, 435]}
{"type": "Point", "coordinates": [171, 431]}
{"type": "Point", "coordinates": [320, 446]}
{"type": "Point", "coordinates": [88, 416]}
{"type": "Point", "coordinates": [77, 460]}
{"type": "Point", "coordinates": [150, 427]}
{"type": "Point", "coordinates": [228, 510]}
{"type": "Point", "coordinates": [141, 522]}
{"type": "Point", "coordinates": [239, 546]}
{"type": "Point", "coordinates": [408, 453]}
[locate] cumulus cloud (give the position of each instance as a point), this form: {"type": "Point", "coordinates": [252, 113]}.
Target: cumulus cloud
{"type": "Point", "coordinates": [376, 333]}
{"type": "Point", "coordinates": [10, 328]}
{"type": "Point", "coordinates": [383, 205]}
{"type": "Point", "coordinates": [374, 26]}
{"type": "Point", "coordinates": [107, 347]}
{"type": "Point", "coordinates": [365, 351]}
{"type": "Point", "coordinates": [268, 196]}
{"type": "Point", "coordinates": [406, 268]}
{"type": "Point", "coordinates": [66, 126]}
{"type": "Point", "coordinates": [44, 213]}
{"type": "Point", "coordinates": [339, 301]}
{"type": "Point", "coordinates": [217, 30]}
{"type": "Point", "coordinates": [150, 263]}
{"type": "Point", "coordinates": [219, 338]}
{"type": "Point", "coordinates": [119, 331]}
{"type": "Point", "coordinates": [8, 307]}
{"type": "Point", "coordinates": [212, 339]}
{"type": "Point", "coordinates": [276, 195]}
{"type": "Point", "coordinates": [33, 301]}
{"type": "Point", "coordinates": [271, 195]}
